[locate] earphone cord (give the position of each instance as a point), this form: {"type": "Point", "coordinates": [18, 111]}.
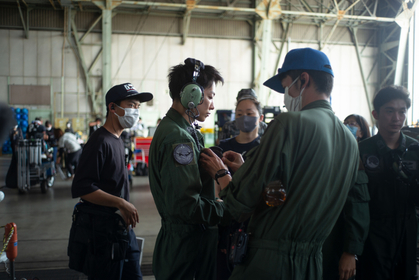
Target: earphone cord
{"type": "Point", "coordinates": [192, 117]}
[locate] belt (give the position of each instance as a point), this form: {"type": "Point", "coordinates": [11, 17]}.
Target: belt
{"type": "Point", "coordinates": [286, 246]}
{"type": "Point", "coordinates": [173, 226]}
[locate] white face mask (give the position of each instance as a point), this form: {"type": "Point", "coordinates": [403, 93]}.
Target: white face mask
{"type": "Point", "coordinates": [293, 104]}
{"type": "Point", "coordinates": [130, 118]}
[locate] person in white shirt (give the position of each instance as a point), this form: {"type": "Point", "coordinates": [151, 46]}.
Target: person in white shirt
{"type": "Point", "coordinates": [69, 142]}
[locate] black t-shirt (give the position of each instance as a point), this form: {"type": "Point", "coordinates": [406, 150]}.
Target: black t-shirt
{"type": "Point", "coordinates": [52, 142]}
{"type": "Point", "coordinates": [232, 145]}
{"type": "Point", "coordinates": [93, 129]}
{"type": "Point", "coordinates": [102, 166]}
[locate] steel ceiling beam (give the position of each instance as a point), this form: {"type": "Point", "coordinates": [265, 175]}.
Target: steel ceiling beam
{"type": "Point", "coordinates": [340, 14]}
{"type": "Point", "coordinates": [361, 69]}
{"type": "Point", "coordinates": [91, 28]}
{"type": "Point", "coordinates": [190, 5]}
{"type": "Point", "coordinates": [106, 6]}
{"type": "Point", "coordinates": [89, 85]}
{"type": "Point", "coordinates": [25, 25]}
{"type": "Point", "coordinates": [251, 10]}
{"type": "Point", "coordinates": [52, 4]}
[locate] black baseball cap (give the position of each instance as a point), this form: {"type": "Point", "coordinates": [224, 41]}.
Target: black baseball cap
{"type": "Point", "coordinates": [124, 91]}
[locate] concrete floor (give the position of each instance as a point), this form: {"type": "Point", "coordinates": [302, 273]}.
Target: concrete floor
{"type": "Point", "coordinates": [43, 222]}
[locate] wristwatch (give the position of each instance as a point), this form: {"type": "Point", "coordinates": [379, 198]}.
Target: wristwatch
{"type": "Point", "coordinates": [221, 173]}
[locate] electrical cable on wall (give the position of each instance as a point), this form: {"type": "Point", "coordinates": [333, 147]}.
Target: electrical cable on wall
{"type": "Point", "coordinates": [158, 51]}
{"type": "Point", "coordinates": [133, 38]}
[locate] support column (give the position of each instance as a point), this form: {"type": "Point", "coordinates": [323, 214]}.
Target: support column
{"type": "Point", "coordinates": [401, 54]}
{"type": "Point", "coordinates": [413, 115]}
{"type": "Point", "coordinates": [264, 72]}
{"type": "Point", "coordinates": [107, 50]}
{"type": "Point", "coordinates": [268, 11]}
{"type": "Point", "coordinates": [403, 20]}
{"type": "Point", "coordinates": [364, 80]}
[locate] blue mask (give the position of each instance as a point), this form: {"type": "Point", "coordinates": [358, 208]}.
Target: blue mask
{"type": "Point", "coordinates": [352, 129]}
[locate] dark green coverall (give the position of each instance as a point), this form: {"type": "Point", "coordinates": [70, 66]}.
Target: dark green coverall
{"type": "Point", "coordinates": [390, 248]}
{"type": "Point", "coordinates": [187, 242]}
{"type": "Point", "coordinates": [316, 158]}
{"type": "Point", "coordinates": [351, 228]}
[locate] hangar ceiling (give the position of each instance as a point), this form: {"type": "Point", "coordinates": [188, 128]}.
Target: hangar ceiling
{"type": "Point", "coordinates": [379, 23]}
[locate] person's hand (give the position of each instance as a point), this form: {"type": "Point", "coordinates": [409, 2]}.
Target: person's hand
{"type": "Point", "coordinates": [58, 160]}
{"type": "Point", "coordinates": [233, 160]}
{"type": "Point", "coordinates": [129, 213]}
{"type": "Point", "coordinates": [347, 266]}
{"type": "Point", "coordinates": [211, 162]}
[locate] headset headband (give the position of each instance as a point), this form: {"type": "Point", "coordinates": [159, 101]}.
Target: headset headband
{"type": "Point", "coordinates": [197, 68]}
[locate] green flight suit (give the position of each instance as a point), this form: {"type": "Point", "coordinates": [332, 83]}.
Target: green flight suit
{"type": "Point", "coordinates": [351, 228]}
{"type": "Point", "coordinates": [316, 158]}
{"type": "Point", "coordinates": [390, 248]}
{"type": "Point", "coordinates": [187, 242]}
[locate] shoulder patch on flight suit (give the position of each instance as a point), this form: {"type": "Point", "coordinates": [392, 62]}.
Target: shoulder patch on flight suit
{"type": "Point", "coordinates": [183, 153]}
{"type": "Point", "coordinates": [372, 162]}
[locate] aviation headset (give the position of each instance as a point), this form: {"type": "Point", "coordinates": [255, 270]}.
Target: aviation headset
{"type": "Point", "coordinates": [192, 94]}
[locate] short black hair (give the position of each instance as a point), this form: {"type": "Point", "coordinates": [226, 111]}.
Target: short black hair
{"type": "Point", "coordinates": [322, 80]}
{"type": "Point", "coordinates": [181, 74]}
{"type": "Point", "coordinates": [47, 123]}
{"type": "Point", "coordinates": [389, 93]}
{"type": "Point", "coordinates": [98, 119]}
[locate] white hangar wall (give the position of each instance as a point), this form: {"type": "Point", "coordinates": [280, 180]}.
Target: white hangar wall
{"type": "Point", "coordinates": [145, 61]}
{"type": "Point", "coordinates": [348, 95]}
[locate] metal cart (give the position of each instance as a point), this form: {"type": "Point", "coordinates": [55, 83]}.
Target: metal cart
{"type": "Point", "coordinates": [31, 168]}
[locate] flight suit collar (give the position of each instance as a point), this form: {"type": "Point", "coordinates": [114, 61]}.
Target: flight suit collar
{"type": "Point", "coordinates": [181, 122]}
{"type": "Point", "coordinates": [383, 148]}
{"type": "Point", "coordinates": [317, 104]}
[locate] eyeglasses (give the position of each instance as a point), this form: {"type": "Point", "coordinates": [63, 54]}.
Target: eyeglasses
{"type": "Point", "coordinates": [352, 124]}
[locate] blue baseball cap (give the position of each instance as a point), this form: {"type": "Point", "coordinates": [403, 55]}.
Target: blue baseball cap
{"type": "Point", "coordinates": [300, 59]}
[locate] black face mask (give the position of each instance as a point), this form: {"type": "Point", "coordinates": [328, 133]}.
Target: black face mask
{"type": "Point", "coordinates": [246, 123]}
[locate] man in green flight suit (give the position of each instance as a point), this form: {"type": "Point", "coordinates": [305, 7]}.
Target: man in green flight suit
{"type": "Point", "coordinates": [314, 156]}
{"type": "Point", "coordinates": [391, 161]}
{"type": "Point", "coordinates": [346, 240]}
{"type": "Point", "coordinates": [184, 194]}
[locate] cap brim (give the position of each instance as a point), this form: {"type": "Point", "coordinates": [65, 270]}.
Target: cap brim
{"type": "Point", "coordinates": [141, 96]}
{"type": "Point", "coordinates": [275, 84]}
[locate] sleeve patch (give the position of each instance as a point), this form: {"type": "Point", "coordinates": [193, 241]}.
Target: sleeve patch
{"type": "Point", "coordinates": [183, 153]}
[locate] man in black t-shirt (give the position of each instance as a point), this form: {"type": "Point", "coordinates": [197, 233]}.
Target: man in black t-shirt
{"type": "Point", "coordinates": [93, 126]}
{"type": "Point", "coordinates": [50, 138]}
{"type": "Point", "coordinates": [102, 177]}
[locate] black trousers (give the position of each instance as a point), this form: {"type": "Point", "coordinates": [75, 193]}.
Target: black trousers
{"type": "Point", "coordinates": [72, 159]}
{"type": "Point", "coordinates": [129, 269]}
